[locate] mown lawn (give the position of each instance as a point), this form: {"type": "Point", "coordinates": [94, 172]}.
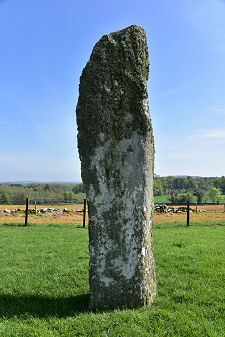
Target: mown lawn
{"type": "Point", "coordinates": [44, 284]}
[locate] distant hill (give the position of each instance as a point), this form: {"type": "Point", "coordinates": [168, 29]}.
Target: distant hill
{"type": "Point", "coordinates": [180, 176]}
{"type": "Point", "coordinates": [186, 176]}
{"type": "Point", "coordinates": [39, 182]}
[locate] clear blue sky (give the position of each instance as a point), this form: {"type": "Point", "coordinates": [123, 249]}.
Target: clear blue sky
{"type": "Point", "coordinates": [46, 43]}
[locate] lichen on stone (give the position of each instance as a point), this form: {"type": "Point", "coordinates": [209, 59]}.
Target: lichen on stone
{"type": "Point", "coordinates": [116, 148]}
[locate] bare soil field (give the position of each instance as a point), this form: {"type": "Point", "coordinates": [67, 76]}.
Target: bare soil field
{"type": "Point", "coordinates": [213, 213]}
{"type": "Point", "coordinates": [210, 213]}
{"type": "Point", "coordinates": [75, 217]}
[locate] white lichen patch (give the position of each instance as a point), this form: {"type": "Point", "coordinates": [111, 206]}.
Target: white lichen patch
{"type": "Point", "coordinates": [102, 136]}
{"type": "Point", "coordinates": [126, 269]}
{"type": "Point", "coordinates": [106, 280]}
{"type": "Point", "coordinates": [145, 106]}
{"type": "Point", "coordinates": [127, 257]}
{"type": "Point", "coordinates": [129, 117]}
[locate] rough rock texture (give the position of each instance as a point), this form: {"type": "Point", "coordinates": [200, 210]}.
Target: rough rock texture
{"type": "Point", "coordinates": [116, 149]}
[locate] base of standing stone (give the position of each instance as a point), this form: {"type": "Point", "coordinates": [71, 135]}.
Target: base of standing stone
{"type": "Point", "coordinates": [93, 307]}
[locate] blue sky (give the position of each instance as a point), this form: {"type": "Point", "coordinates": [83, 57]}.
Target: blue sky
{"type": "Point", "coordinates": [44, 46]}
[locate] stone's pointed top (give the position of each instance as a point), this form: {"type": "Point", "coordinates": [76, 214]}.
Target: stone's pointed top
{"type": "Point", "coordinates": [123, 52]}
{"type": "Point", "coordinates": [129, 28]}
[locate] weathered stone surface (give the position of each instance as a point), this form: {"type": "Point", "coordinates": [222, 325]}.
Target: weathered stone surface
{"type": "Point", "coordinates": [116, 149]}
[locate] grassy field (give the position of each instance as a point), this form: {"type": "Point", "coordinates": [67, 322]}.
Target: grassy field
{"type": "Point", "coordinates": [163, 199]}
{"type": "Point", "coordinates": [44, 284]}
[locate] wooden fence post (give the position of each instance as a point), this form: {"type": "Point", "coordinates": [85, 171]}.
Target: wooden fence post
{"type": "Point", "coordinates": [196, 207]}
{"type": "Point", "coordinates": [224, 208]}
{"type": "Point", "coordinates": [84, 214]}
{"type": "Point", "coordinates": [35, 206]}
{"type": "Point", "coordinates": [26, 212]}
{"type": "Point", "coordinates": [188, 212]}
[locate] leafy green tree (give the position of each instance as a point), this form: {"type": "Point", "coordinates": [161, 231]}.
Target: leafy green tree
{"type": "Point", "coordinates": [4, 198]}
{"type": "Point", "coordinates": [186, 197]}
{"type": "Point", "coordinates": [222, 184]}
{"type": "Point", "coordinates": [47, 187]}
{"type": "Point", "coordinates": [78, 188]}
{"type": "Point", "coordinates": [157, 187]}
{"type": "Point", "coordinates": [66, 196]}
{"type": "Point", "coordinates": [199, 194]}
{"type": "Point", "coordinates": [169, 181]}
{"type": "Point", "coordinates": [70, 196]}
{"type": "Point", "coordinates": [19, 197]}
{"type": "Point", "coordinates": [173, 198]}
{"type": "Point", "coordinates": [192, 183]}
{"type": "Point", "coordinates": [190, 197]}
{"type": "Point", "coordinates": [214, 195]}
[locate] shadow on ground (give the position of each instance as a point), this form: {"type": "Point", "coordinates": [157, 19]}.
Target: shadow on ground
{"type": "Point", "coordinates": [42, 306]}
{"type": "Point", "coordinates": [12, 224]}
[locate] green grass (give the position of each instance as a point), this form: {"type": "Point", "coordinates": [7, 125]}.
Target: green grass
{"type": "Point", "coordinates": [161, 199]}
{"type": "Point", "coordinates": [44, 284]}
{"type": "Point", "coordinates": [164, 199]}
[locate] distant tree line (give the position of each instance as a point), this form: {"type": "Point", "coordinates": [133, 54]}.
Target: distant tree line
{"type": "Point", "coordinates": [181, 189]}
{"type": "Point", "coordinates": [41, 193]}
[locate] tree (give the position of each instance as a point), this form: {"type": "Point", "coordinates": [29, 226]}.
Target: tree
{"type": "Point", "coordinates": [222, 184]}
{"type": "Point", "coordinates": [47, 187]}
{"type": "Point", "coordinates": [19, 197]}
{"type": "Point", "coordinates": [192, 183]}
{"type": "Point", "coordinates": [66, 196]}
{"type": "Point", "coordinates": [185, 197]}
{"type": "Point", "coordinates": [214, 195]}
{"type": "Point", "coordinates": [4, 198]}
{"type": "Point", "coordinates": [70, 196]}
{"type": "Point", "coordinates": [78, 188]}
{"type": "Point", "coordinates": [173, 196]}
{"type": "Point", "coordinates": [199, 194]}
{"type": "Point", "coordinates": [158, 187]}
{"type": "Point", "coordinates": [169, 182]}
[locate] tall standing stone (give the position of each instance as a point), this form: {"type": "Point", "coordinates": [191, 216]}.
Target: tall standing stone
{"type": "Point", "coordinates": [116, 149]}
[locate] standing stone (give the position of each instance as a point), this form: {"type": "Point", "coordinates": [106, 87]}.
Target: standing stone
{"type": "Point", "coordinates": [116, 149]}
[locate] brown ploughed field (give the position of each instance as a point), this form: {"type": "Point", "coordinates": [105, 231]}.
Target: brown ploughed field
{"type": "Point", "coordinates": [212, 213]}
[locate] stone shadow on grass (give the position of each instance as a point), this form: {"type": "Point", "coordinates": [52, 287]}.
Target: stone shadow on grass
{"type": "Point", "coordinates": [13, 224]}
{"type": "Point", "coordinates": [42, 306]}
